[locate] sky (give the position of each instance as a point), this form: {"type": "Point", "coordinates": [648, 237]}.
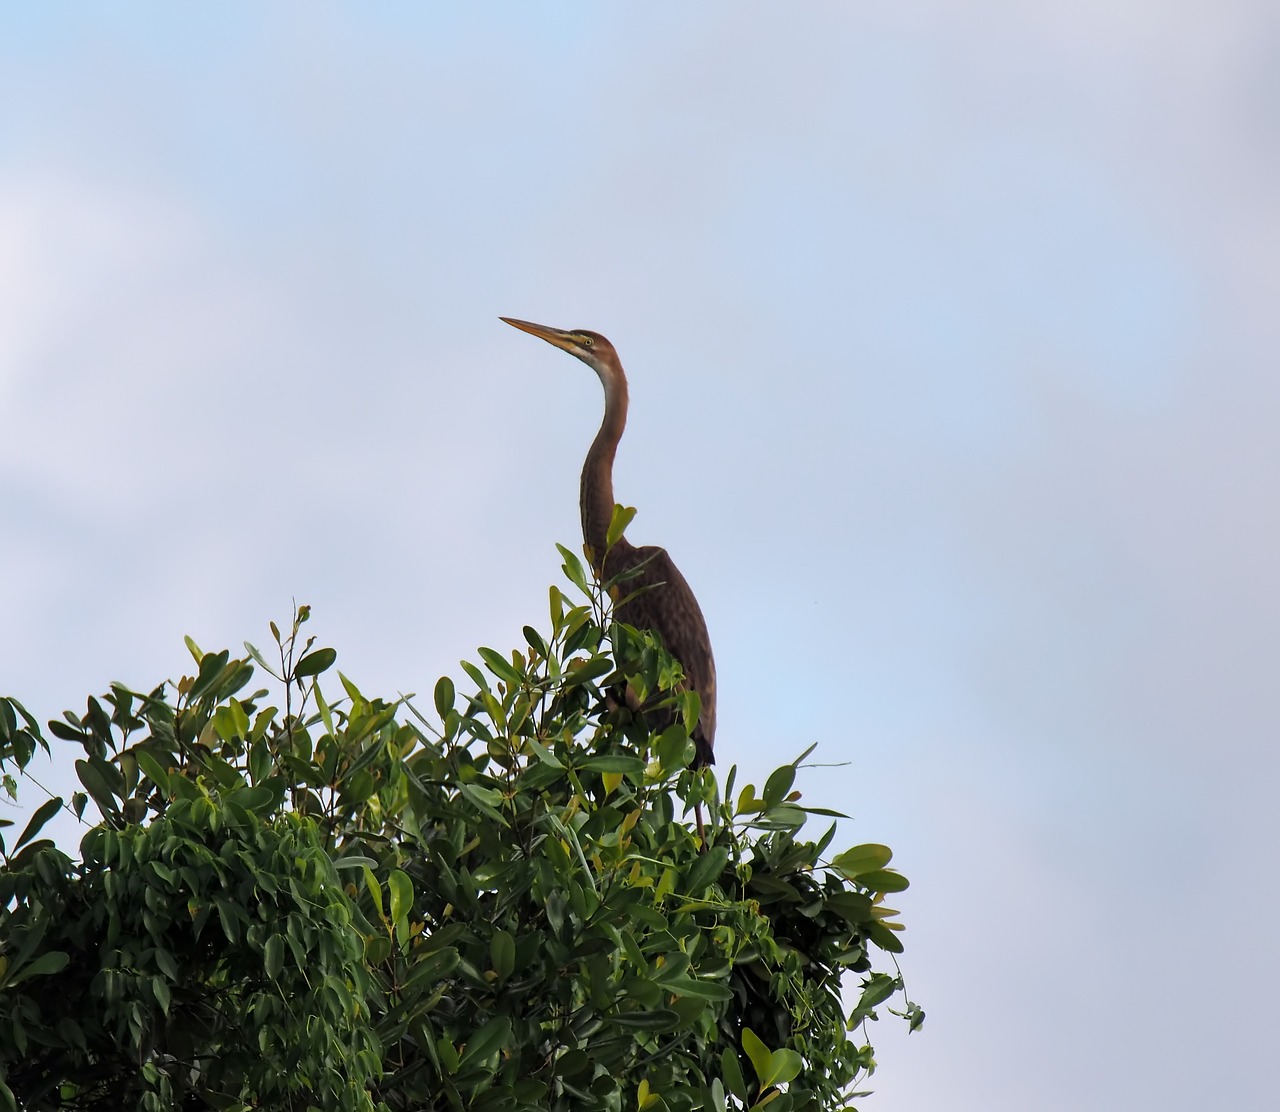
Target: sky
{"type": "Point", "coordinates": [953, 350]}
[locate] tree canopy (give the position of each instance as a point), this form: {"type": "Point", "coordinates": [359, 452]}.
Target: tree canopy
{"type": "Point", "coordinates": [296, 896]}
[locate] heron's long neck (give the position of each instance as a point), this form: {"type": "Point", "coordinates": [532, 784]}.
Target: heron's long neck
{"type": "Point", "coordinates": [597, 471]}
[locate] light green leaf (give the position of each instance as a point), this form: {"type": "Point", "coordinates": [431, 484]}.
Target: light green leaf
{"type": "Point", "coordinates": [401, 889]}
{"type": "Point", "coordinates": [785, 1065]}
{"type": "Point", "coordinates": [862, 859]}
{"type": "Point", "coordinates": [759, 1054]}
{"type": "Point", "coordinates": [618, 522]}
{"type": "Point", "coordinates": [375, 890]}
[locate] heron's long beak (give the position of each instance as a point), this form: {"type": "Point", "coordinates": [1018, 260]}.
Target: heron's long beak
{"type": "Point", "coordinates": [558, 337]}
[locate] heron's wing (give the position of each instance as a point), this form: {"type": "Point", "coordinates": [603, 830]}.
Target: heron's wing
{"type": "Point", "coordinates": [655, 596]}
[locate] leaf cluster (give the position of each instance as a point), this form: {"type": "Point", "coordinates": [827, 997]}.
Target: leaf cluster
{"type": "Point", "coordinates": [336, 902]}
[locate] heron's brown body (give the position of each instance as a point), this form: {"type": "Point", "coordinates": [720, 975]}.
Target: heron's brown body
{"type": "Point", "coordinates": [648, 589]}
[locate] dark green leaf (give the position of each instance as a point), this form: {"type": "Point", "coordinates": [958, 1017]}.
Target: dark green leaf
{"type": "Point", "coordinates": [731, 1071]}
{"type": "Point", "coordinates": [502, 951]}
{"type": "Point", "coordinates": [51, 961]}
{"type": "Point", "coordinates": [883, 880]}
{"type": "Point", "coordinates": [591, 669]}
{"type": "Point", "coordinates": [43, 814]}
{"type": "Point", "coordinates": [431, 968]}
{"type": "Point", "coordinates": [698, 989]}
{"type": "Point", "coordinates": [273, 957]}
{"type": "Point", "coordinates": [95, 776]}
{"type": "Point", "coordinates": [614, 762]}
{"type": "Point", "coordinates": [706, 869]}
{"type": "Point", "coordinates": [883, 937]}
{"type": "Point", "coordinates": [652, 1019]}
{"type": "Point", "coordinates": [314, 663]}
{"type": "Point", "coordinates": [778, 785]}
{"type": "Point", "coordinates": [488, 1040]}
{"type": "Point", "coordinates": [444, 696]}
{"type": "Point", "coordinates": [153, 770]}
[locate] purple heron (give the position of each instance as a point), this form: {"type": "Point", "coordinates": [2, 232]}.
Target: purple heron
{"type": "Point", "coordinates": [648, 589]}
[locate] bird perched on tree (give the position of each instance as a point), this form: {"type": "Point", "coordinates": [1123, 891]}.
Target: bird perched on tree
{"type": "Point", "coordinates": [648, 589]}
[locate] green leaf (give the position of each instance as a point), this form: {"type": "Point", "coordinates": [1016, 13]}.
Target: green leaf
{"type": "Point", "coordinates": [591, 669]}
{"type": "Point", "coordinates": [230, 721]}
{"type": "Point", "coordinates": [44, 813]}
{"type": "Point", "coordinates": [314, 663]}
{"type": "Point", "coordinates": [401, 889]}
{"type": "Point", "coordinates": [51, 961]}
{"type": "Point", "coordinates": [759, 1055]}
{"type": "Point", "coordinates": [535, 641]}
{"type": "Point", "coordinates": [707, 868]}
{"type": "Point", "coordinates": [95, 776]}
{"type": "Point", "coordinates": [476, 675]}
{"type": "Point", "coordinates": [622, 517]}
{"type": "Point", "coordinates": [487, 799]}
{"type": "Point", "coordinates": [651, 1019]}
{"type": "Point", "coordinates": [572, 567]}
{"type": "Point", "coordinates": [882, 936]}
{"type": "Point", "coordinates": [432, 968]}
{"type": "Point", "coordinates": [502, 951]}
{"type": "Point", "coordinates": [731, 1071]}
{"type": "Point", "coordinates": [491, 1038]}
{"type": "Point", "coordinates": [444, 696]}
{"type": "Point", "coordinates": [697, 989]}
{"type": "Point", "coordinates": [862, 859]}
{"type": "Point", "coordinates": [883, 880]}
{"type": "Point", "coordinates": [614, 762]}
{"type": "Point", "coordinates": [785, 1065]}
{"type": "Point", "coordinates": [716, 1099]}
{"type": "Point", "coordinates": [375, 890]}
{"type": "Point", "coordinates": [273, 956]}
{"type": "Point", "coordinates": [778, 785]}
{"type": "Point", "coordinates": [855, 907]}
{"type": "Point", "coordinates": [672, 748]}
{"type": "Point", "coordinates": [154, 771]}
{"type": "Point", "coordinates": [500, 666]}
{"type": "Point", "coordinates": [544, 754]}
{"type": "Point", "coordinates": [261, 661]}
{"type": "Point", "coordinates": [555, 912]}
{"type": "Point", "coordinates": [875, 990]}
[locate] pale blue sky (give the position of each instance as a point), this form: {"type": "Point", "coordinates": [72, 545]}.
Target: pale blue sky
{"type": "Point", "coordinates": [953, 347]}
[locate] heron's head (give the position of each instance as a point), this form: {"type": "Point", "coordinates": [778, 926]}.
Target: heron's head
{"type": "Point", "coordinates": [592, 348]}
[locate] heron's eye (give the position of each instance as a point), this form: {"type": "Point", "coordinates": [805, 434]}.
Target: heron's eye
{"type": "Point", "coordinates": [587, 341]}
